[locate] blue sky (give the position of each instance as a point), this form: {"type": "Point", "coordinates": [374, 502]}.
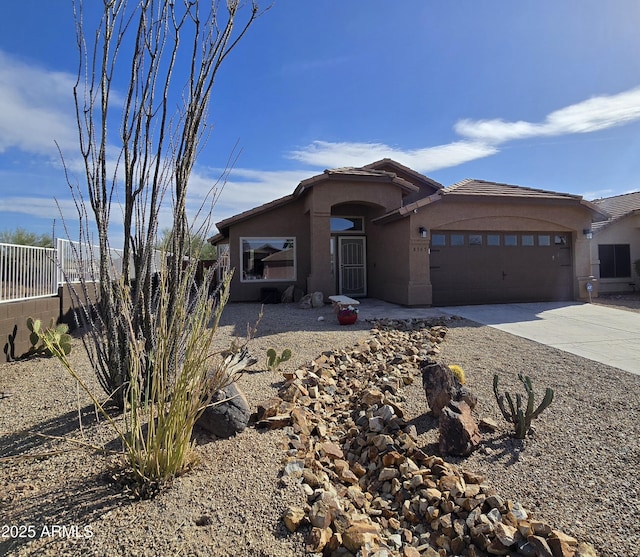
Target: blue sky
{"type": "Point", "coordinates": [543, 94]}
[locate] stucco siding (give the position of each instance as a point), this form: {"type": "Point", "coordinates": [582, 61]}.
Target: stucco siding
{"type": "Point", "coordinates": [283, 222]}
{"type": "Point", "coordinates": [624, 231]}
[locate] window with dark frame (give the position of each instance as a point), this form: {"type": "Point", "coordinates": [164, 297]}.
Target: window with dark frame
{"type": "Point", "coordinates": [615, 260]}
{"type": "Point", "coordinates": [267, 259]}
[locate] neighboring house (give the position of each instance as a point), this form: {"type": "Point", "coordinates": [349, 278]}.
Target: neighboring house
{"type": "Point", "coordinates": [388, 232]}
{"type": "Point", "coordinates": [616, 244]}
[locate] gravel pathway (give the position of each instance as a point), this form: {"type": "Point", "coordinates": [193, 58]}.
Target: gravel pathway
{"type": "Point", "coordinates": [579, 471]}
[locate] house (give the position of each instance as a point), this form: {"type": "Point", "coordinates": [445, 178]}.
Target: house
{"type": "Point", "coordinates": [616, 244]}
{"type": "Point", "coordinates": [386, 231]}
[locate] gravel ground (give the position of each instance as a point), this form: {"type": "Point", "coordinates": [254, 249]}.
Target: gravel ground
{"type": "Point", "coordinates": [579, 471]}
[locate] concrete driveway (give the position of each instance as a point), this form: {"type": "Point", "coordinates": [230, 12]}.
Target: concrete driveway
{"type": "Point", "coordinates": [603, 334]}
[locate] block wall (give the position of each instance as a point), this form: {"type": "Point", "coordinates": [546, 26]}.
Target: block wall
{"type": "Point", "coordinates": [14, 335]}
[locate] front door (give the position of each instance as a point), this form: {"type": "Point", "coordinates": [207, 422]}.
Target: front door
{"type": "Point", "coordinates": [353, 269]}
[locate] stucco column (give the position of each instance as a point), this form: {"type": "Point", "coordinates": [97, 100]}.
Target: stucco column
{"type": "Point", "coordinates": [320, 279]}
{"type": "Point", "coordinates": [419, 290]}
{"type": "Point", "coordinates": [583, 267]}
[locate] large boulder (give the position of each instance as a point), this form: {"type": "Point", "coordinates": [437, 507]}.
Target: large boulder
{"type": "Point", "coordinates": [459, 433]}
{"type": "Point", "coordinates": [441, 386]}
{"type": "Point", "coordinates": [228, 414]}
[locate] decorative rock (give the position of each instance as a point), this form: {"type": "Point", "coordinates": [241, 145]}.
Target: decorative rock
{"type": "Point", "coordinates": [585, 550]}
{"type": "Point", "coordinates": [228, 414]}
{"type": "Point", "coordinates": [459, 433]}
{"type": "Point", "coordinates": [439, 385]}
{"type": "Point", "coordinates": [508, 535]}
{"type": "Point", "coordinates": [370, 489]}
{"type": "Point", "coordinates": [560, 548]}
{"type": "Point", "coordinates": [268, 408]}
{"type": "Point", "coordinates": [489, 424]}
{"type": "Point", "coordinates": [496, 547]}
{"type": "Point", "coordinates": [317, 300]}
{"type": "Point", "coordinates": [287, 295]}
{"type": "Point", "coordinates": [305, 302]}
{"type": "Point", "coordinates": [293, 518]}
{"type": "Point", "coordinates": [318, 538]}
{"type": "Point", "coordinates": [359, 534]}
{"type": "Point", "coordinates": [372, 396]}
{"type": "Point", "coordinates": [541, 545]}
{"type": "Point", "coordinates": [294, 467]}
{"type": "Point", "coordinates": [332, 450]}
{"type": "Point", "coordinates": [387, 474]}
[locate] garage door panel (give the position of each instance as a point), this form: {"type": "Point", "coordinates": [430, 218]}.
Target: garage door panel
{"type": "Point", "coordinates": [481, 273]}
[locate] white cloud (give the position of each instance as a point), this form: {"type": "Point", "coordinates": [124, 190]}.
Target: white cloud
{"type": "Point", "coordinates": [41, 207]}
{"type": "Point", "coordinates": [480, 138]}
{"type": "Point", "coordinates": [594, 114]}
{"type": "Point", "coordinates": [331, 155]}
{"type": "Point", "coordinates": [36, 108]}
{"type": "Point", "coordinates": [249, 188]}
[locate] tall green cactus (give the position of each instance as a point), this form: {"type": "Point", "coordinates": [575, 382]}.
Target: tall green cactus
{"type": "Point", "coordinates": [515, 413]}
{"type": "Point", "coordinates": [274, 361]}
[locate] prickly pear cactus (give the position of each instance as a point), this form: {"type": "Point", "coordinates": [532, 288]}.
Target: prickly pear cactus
{"type": "Point", "coordinates": [58, 334]}
{"type": "Point", "coordinates": [274, 361]}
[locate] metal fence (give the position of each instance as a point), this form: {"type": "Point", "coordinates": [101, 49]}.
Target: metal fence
{"type": "Point", "coordinates": [28, 272]}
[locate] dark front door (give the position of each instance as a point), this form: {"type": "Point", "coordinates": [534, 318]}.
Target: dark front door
{"type": "Point", "coordinates": [352, 275]}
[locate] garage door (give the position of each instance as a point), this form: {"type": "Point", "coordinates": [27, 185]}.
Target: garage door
{"type": "Point", "coordinates": [492, 267]}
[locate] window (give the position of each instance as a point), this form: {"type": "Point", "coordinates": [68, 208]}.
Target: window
{"type": "Point", "coordinates": [493, 239]}
{"type": "Point", "coordinates": [560, 239]}
{"type": "Point", "coordinates": [438, 240]}
{"type": "Point", "coordinates": [544, 240]}
{"type": "Point", "coordinates": [457, 239]}
{"type": "Point", "coordinates": [347, 224]}
{"type": "Point", "coordinates": [527, 240]}
{"type": "Point", "coordinates": [510, 240]}
{"type": "Point", "coordinates": [615, 260]}
{"type": "Point", "coordinates": [475, 239]}
{"type": "Point", "coordinates": [268, 259]}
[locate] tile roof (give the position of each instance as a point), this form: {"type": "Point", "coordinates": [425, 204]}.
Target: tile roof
{"type": "Point", "coordinates": [617, 206]}
{"type": "Point", "coordinates": [484, 188]}
{"type": "Point", "coordinates": [352, 172]}
{"type": "Point", "coordinates": [343, 173]}
{"type": "Point", "coordinates": [398, 168]}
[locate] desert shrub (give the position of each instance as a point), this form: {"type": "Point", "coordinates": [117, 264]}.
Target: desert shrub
{"type": "Point", "coordinates": [163, 407]}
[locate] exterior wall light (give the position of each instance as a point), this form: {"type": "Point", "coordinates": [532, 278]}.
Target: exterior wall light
{"type": "Point", "coordinates": [423, 232]}
{"type": "Point", "coordinates": [588, 233]}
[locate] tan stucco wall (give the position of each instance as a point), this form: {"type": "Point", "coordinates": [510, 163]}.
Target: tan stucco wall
{"type": "Point", "coordinates": [624, 231]}
{"type": "Point", "coordinates": [286, 221]}
{"type": "Point", "coordinates": [397, 256]}
{"type": "Point", "coordinates": [343, 198]}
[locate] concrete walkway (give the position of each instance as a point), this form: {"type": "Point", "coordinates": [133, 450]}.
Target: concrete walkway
{"type": "Point", "coordinates": [607, 335]}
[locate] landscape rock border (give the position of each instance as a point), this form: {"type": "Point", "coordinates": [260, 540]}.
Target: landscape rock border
{"type": "Point", "coordinates": [371, 490]}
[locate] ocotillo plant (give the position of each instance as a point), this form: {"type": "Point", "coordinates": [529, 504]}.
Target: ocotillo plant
{"type": "Point", "coordinates": [274, 361]}
{"type": "Point", "coordinates": [521, 418]}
